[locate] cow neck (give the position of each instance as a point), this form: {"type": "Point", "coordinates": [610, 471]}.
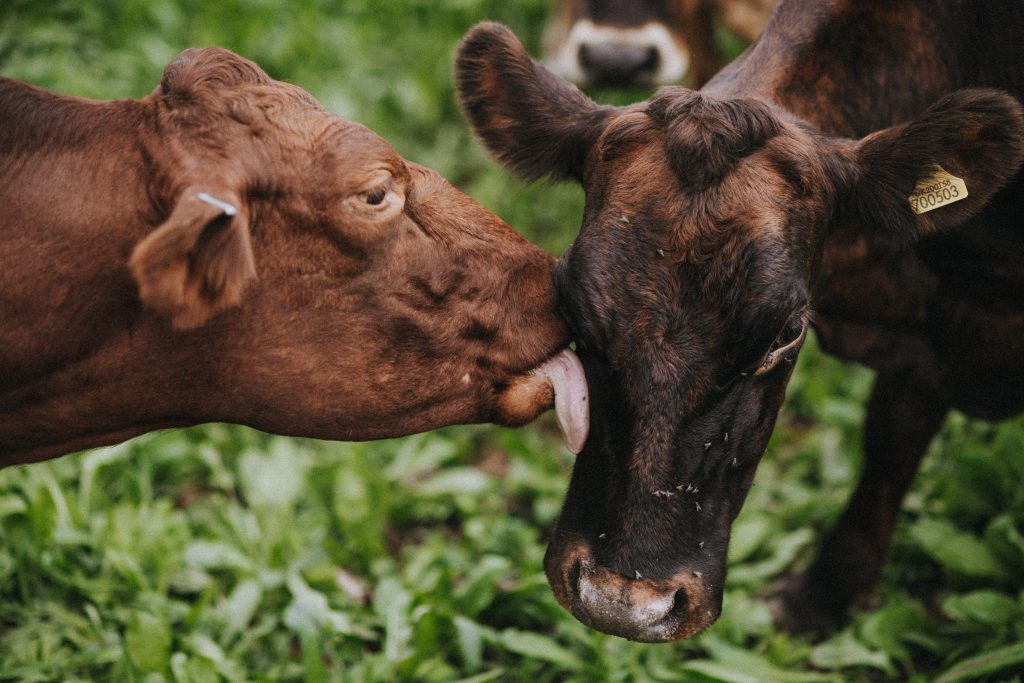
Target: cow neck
{"type": "Point", "coordinates": [78, 358]}
{"type": "Point", "coordinates": [851, 67]}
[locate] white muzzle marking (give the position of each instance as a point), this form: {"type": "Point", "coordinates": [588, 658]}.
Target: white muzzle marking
{"type": "Point", "coordinates": [565, 60]}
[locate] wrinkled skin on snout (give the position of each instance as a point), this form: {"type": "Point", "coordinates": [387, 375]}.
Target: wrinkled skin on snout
{"type": "Point", "coordinates": [688, 292]}
{"type": "Point", "coordinates": [227, 250]}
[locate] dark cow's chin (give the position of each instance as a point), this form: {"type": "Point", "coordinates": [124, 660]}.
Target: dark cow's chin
{"type": "Point", "coordinates": [636, 608]}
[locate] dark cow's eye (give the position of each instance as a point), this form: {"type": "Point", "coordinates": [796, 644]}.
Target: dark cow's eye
{"type": "Point", "coordinates": [375, 196]}
{"type": "Point", "coordinates": [785, 346]}
{"type": "Point", "coordinates": [382, 200]}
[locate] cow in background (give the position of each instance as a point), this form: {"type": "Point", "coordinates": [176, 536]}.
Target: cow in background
{"type": "Point", "coordinates": [642, 43]}
{"type": "Point", "coordinates": [225, 249]}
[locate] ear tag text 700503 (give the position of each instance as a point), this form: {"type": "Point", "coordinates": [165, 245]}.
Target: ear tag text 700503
{"type": "Point", "coordinates": [936, 190]}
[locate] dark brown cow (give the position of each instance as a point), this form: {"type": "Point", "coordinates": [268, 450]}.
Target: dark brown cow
{"type": "Point", "coordinates": [641, 43]}
{"type": "Point", "coordinates": [717, 225]}
{"type": "Point", "coordinates": [225, 249]}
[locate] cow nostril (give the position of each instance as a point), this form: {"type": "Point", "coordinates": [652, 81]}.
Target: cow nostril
{"type": "Point", "coordinates": [680, 605]}
{"type": "Point", "coordinates": [573, 576]}
{"type": "Point", "coordinates": [651, 62]}
{"type": "Point", "coordinates": [619, 63]}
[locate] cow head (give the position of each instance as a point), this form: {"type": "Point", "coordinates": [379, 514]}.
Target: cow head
{"type": "Point", "coordinates": [628, 42]}
{"type": "Point", "coordinates": [333, 288]}
{"type": "Point", "coordinates": [688, 292]}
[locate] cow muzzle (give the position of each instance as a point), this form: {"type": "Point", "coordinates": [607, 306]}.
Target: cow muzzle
{"type": "Point", "coordinates": [637, 608]}
{"type": "Point", "coordinates": [619, 63]}
{"type": "Point", "coordinates": [636, 56]}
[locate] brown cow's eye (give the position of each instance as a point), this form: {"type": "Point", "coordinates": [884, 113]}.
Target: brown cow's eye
{"type": "Point", "coordinates": [375, 196]}
{"type": "Point", "coordinates": [786, 344]}
{"type": "Point", "coordinates": [381, 201]}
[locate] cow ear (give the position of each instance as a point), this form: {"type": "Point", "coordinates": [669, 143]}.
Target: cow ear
{"type": "Point", "coordinates": [531, 120]}
{"type": "Point", "coordinates": [211, 67]}
{"type": "Point", "coordinates": [940, 169]}
{"type": "Point", "coordinates": [198, 262]}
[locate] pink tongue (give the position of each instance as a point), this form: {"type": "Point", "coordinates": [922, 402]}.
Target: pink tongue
{"type": "Point", "coordinates": [572, 412]}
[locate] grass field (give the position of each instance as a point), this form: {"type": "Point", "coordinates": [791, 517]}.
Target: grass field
{"type": "Point", "coordinates": [220, 553]}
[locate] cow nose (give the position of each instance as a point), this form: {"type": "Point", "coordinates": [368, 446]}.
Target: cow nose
{"type": "Point", "coordinates": [633, 609]}
{"type": "Point", "coordinates": [646, 610]}
{"type": "Point", "coordinates": [622, 64]}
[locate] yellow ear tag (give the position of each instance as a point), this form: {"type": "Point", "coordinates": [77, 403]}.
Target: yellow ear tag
{"type": "Point", "coordinates": [937, 190]}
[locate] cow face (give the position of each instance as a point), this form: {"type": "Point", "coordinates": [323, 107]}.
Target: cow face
{"type": "Point", "coordinates": [636, 43]}
{"type": "Point", "coordinates": [337, 289]}
{"type": "Point", "coordinates": [688, 292]}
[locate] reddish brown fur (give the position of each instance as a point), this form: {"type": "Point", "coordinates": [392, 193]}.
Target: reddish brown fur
{"type": "Point", "coordinates": [354, 295]}
{"type": "Point", "coordinates": [712, 231]}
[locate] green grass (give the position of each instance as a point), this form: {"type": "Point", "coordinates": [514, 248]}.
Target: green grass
{"type": "Point", "coordinates": [219, 553]}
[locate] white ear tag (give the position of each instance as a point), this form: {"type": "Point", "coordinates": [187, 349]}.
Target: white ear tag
{"type": "Point", "coordinates": [228, 209]}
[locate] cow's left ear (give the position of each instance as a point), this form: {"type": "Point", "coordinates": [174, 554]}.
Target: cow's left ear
{"type": "Point", "coordinates": [208, 67]}
{"type": "Point", "coordinates": [941, 168]}
{"type": "Point", "coordinates": [199, 261]}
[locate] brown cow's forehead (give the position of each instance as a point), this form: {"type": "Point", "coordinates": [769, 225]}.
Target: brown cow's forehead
{"type": "Point", "coordinates": [321, 152]}
{"type": "Point", "coordinates": [302, 125]}
{"type": "Point", "coordinates": [625, 12]}
{"type": "Point", "coordinates": [628, 12]}
{"type": "Point", "coordinates": [355, 150]}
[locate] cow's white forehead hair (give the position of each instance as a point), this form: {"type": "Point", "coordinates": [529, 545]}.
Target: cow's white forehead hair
{"type": "Point", "coordinates": [564, 60]}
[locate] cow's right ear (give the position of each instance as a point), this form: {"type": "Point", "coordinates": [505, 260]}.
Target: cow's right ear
{"type": "Point", "coordinates": [531, 120]}
{"type": "Point", "coordinates": [199, 261]}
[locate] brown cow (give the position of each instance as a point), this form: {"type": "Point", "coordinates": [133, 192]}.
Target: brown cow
{"type": "Point", "coordinates": [846, 170]}
{"type": "Point", "coordinates": [641, 43]}
{"type": "Point", "coordinates": [225, 249]}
